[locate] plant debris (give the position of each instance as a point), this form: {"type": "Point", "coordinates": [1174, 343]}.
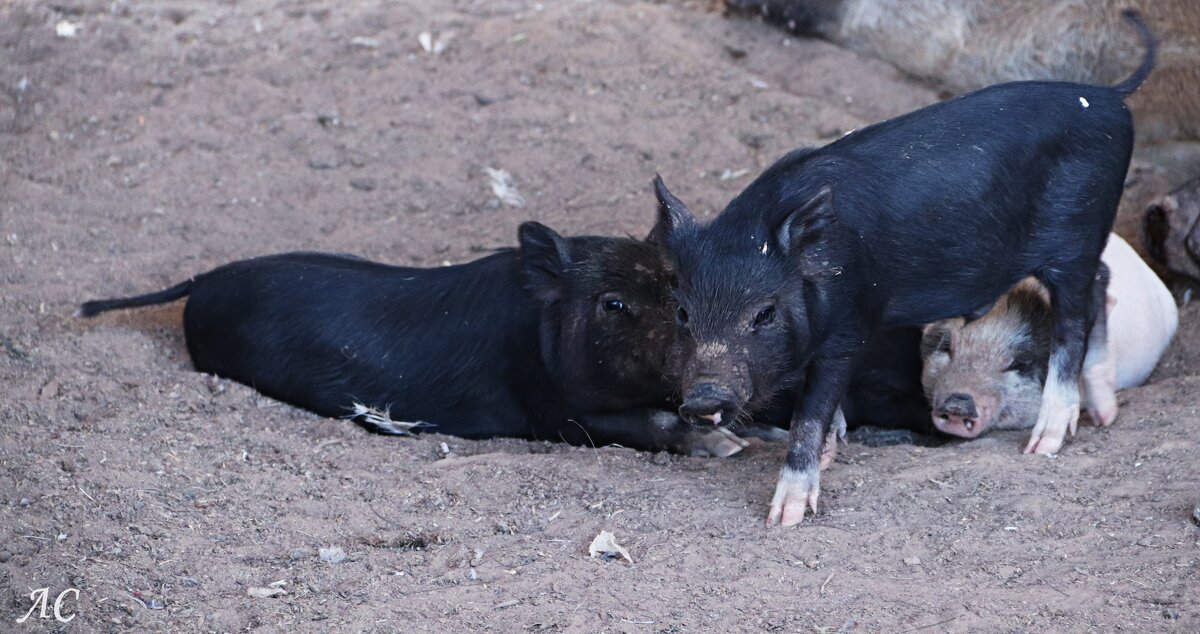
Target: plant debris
{"type": "Point", "coordinates": [605, 547]}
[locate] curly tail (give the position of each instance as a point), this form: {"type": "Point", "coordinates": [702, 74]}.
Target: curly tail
{"type": "Point", "coordinates": [95, 307]}
{"type": "Point", "coordinates": [1135, 80]}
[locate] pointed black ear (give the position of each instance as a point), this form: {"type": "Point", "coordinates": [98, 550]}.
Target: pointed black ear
{"type": "Point", "coordinates": [806, 226]}
{"type": "Point", "coordinates": [672, 213]}
{"type": "Point", "coordinates": [545, 257]}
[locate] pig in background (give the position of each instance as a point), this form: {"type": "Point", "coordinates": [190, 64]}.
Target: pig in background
{"type": "Point", "coordinates": [1171, 232]}
{"type": "Point", "coordinates": [989, 373]}
{"type": "Point", "coordinates": [964, 45]}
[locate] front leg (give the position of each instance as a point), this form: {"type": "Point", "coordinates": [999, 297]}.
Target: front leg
{"type": "Point", "coordinates": [1074, 309]}
{"type": "Point", "coordinates": [800, 479]}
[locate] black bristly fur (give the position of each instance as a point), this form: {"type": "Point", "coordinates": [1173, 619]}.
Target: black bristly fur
{"type": "Point", "coordinates": [930, 215]}
{"type": "Point", "coordinates": [518, 343]}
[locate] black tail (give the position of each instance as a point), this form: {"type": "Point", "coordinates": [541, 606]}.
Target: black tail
{"type": "Point", "coordinates": [1135, 80]}
{"type": "Point", "coordinates": [93, 308]}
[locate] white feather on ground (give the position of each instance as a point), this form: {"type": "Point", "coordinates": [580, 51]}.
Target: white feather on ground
{"type": "Point", "coordinates": [381, 421]}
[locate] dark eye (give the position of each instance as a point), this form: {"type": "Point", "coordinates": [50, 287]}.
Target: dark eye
{"type": "Point", "coordinates": [681, 315]}
{"type": "Point", "coordinates": [614, 305]}
{"type": "Point", "coordinates": [944, 344]}
{"type": "Point", "coordinates": [764, 316]}
{"type": "Point", "coordinates": [1022, 366]}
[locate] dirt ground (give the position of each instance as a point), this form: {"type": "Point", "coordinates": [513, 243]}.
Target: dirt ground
{"type": "Point", "coordinates": [167, 138]}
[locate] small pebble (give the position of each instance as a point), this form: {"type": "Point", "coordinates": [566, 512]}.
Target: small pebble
{"type": "Point", "coordinates": [1171, 613]}
{"type": "Point", "coordinates": [5, 556]}
{"type": "Point", "coordinates": [828, 131]}
{"type": "Point", "coordinates": [24, 502]}
{"type": "Point", "coordinates": [364, 184]}
{"type": "Point", "coordinates": [323, 160]}
{"type": "Point", "coordinates": [300, 553]}
{"type": "Point", "coordinates": [333, 555]}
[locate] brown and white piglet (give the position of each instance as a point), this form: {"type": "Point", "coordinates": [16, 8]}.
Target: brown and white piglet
{"type": "Point", "coordinates": [989, 373]}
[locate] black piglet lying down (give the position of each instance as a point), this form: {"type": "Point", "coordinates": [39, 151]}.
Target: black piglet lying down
{"type": "Point", "coordinates": [563, 339]}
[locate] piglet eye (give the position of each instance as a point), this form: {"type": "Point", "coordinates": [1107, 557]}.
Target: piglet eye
{"type": "Point", "coordinates": [944, 344]}
{"type": "Point", "coordinates": [764, 316]}
{"type": "Point", "coordinates": [614, 305]}
{"type": "Point", "coordinates": [682, 315]}
{"type": "Point", "coordinates": [1021, 366]}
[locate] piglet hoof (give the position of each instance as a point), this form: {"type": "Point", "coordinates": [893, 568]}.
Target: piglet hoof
{"type": "Point", "coordinates": [829, 451]}
{"type": "Point", "coordinates": [837, 431]}
{"type": "Point", "coordinates": [1055, 419]}
{"type": "Point", "coordinates": [796, 491]}
{"type": "Point", "coordinates": [718, 443]}
{"type": "Point", "coordinates": [1100, 394]}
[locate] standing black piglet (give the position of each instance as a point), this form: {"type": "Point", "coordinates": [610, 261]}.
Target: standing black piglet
{"type": "Point", "coordinates": [931, 215]}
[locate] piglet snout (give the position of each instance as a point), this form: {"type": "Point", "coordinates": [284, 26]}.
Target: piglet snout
{"type": "Point", "coordinates": [960, 414]}
{"type": "Point", "coordinates": [709, 402]}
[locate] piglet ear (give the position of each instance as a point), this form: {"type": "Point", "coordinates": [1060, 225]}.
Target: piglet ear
{"type": "Point", "coordinates": [672, 213]}
{"type": "Point", "coordinates": [934, 337]}
{"type": "Point", "coordinates": [806, 227]}
{"type": "Point", "coordinates": [544, 258]}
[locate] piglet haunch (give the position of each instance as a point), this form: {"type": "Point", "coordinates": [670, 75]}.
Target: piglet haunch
{"type": "Point", "coordinates": [989, 373]}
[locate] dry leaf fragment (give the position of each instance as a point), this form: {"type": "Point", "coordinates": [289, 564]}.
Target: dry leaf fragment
{"type": "Point", "coordinates": [265, 593]}
{"type": "Point", "coordinates": [605, 547]}
{"type": "Point", "coordinates": [504, 188]}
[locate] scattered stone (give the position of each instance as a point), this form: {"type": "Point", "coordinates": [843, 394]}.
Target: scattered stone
{"type": "Point", "coordinates": [365, 42]}
{"type": "Point", "coordinates": [50, 389]}
{"type": "Point", "coordinates": [434, 45]}
{"type": "Point", "coordinates": [828, 131]}
{"type": "Point", "coordinates": [5, 556]}
{"type": "Point", "coordinates": [333, 555]}
{"type": "Point", "coordinates": [67, 28]}
{"type": "Point", "coordinates": [274, 590]}
{"type": "Point", "coordinates": [364, 184]}
{"type": "Point", "coordinates": [329, 119]}
{"type": "Point", "coordinates": [323, 160]}
{"type": "Point", "coordinates": [1008, 572]}
{"type": "Point", "coordinates": [1196, 514]}
{"type": "Point", "coordinates": [1171, 613]}
{"type": "Point", "coordinates": [483, 99]}
{"type": "Point", "coordinates": [24, 502]}
{"type": "Point", "coordinates": [300, 553]}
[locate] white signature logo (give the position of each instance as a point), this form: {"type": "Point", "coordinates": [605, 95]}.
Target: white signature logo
{"type": "Point", "coordinates": [41, 597]}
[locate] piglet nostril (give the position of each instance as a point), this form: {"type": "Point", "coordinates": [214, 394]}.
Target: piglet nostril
{"type": "Point", "coordinates": [958, 404]}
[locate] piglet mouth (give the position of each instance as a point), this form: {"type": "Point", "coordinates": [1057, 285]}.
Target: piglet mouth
{"type": "Point", "coordinates": [710, 404]}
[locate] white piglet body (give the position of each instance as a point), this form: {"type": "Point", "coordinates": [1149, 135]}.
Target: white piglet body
{"type": "Point", "coordinates": [1143, 321]}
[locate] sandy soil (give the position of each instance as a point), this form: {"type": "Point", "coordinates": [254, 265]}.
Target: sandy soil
{"type": "Point", "coordinates": [167, 138]}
